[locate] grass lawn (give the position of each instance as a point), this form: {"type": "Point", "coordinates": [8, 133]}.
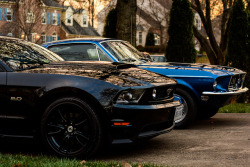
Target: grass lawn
{"type": "Point", "coordinates": [236, 108]}
{"type": "Point", "coordinates": [9, 160]}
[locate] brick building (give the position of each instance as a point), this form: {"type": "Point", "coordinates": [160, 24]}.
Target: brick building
{"type": "Point", "coordinates": [38, 21]}
{"type": "Point", "coordinates": [75, 24]}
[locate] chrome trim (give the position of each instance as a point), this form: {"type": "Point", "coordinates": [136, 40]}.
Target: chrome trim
{"type": "Point", "coordinates": [152, 106]}
{"type": "Point", "coordinates": [227, 93]}
{"type": "Point", "coordinates": [242, 75]}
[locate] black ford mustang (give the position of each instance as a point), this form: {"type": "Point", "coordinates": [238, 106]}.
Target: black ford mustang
{"type": "Point", "coordinates": [74, 106]}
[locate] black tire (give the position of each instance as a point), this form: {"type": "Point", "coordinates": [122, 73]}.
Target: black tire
{"type": "Point", "coordinates": [71, 128]}
{"type": "Point", "coordinates": [189, 108]}
{"type": "Point", "coordinates": [206, 113]}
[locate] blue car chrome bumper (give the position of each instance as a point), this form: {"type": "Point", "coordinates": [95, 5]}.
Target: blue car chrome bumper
{"type": "Point", "coordinates": [227, 93]}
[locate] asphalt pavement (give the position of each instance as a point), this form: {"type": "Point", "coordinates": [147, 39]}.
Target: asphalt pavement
{"type": "Point", "coordinates": [223, 140]}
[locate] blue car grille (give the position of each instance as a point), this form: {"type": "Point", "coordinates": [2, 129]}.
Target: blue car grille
{"type": "Point", "coordinates": [236, 82]}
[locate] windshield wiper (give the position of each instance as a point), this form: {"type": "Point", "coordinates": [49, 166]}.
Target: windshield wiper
{"type": "Point", "coordinates": [146, 59]}
{"type": "Point", "coordinates": [129, 60]}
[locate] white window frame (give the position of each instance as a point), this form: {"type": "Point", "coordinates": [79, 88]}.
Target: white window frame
{"type": "Point", "coordinates": [69, 18]}
{"type": "Point", "coordinates": [33, 38]}
{"type": "Point", "coordinates": [43, 37]}
{"type": "Point", "coordinates": [85, 20]}
{"type": "Point", "coordinates": [54, 18]}
{"type": "Point", "coordinates": [140, 37]}
{"type": "Point", "coordinates": [30, 17]}
{"type": "Point", "coordinates": [9, 14]}
{"type": "Point", "coordinates": [197, 21]}
{"type": "Point", "coordinates": [44, 17]}
{"type": "Point", "coordinates": [54, 37]}
{"type": "Point", "coordinates": [157, 39]}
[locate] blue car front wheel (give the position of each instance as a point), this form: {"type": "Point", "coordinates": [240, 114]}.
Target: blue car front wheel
{"type": "Point", "coordinates": [186, 112]}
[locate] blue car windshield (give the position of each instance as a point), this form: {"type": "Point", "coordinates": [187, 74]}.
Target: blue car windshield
{"type": "Point", "coordinates": [123, 51]}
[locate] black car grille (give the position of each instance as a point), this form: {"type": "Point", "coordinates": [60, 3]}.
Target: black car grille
{"type": "Point", "coordinates": [236, 82]}
{"type": "Point", "coordinates": [163, 94]}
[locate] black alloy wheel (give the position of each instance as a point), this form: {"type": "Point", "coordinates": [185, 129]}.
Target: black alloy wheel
{"type": "Point", "coordinates": [71, 128]}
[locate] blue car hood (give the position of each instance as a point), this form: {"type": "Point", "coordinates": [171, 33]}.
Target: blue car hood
{"type": "Point", "coordinates": [190, 69]}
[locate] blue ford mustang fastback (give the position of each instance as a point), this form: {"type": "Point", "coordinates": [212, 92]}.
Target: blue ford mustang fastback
{"type": "Point", "coordinates": [202, 89]}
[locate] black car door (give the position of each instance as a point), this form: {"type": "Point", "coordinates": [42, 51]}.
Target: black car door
{"type": "Point", "coordinates": [3, 98]}
{"type": "Point", "coordinates": [17, 89]}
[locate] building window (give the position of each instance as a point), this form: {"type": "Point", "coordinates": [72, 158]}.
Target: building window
{"type": "Point", "coordinates": [33, 37]}
{"type": "Point", "coordinates": [157, 39]}
{"type": "Point", "coordinates": [54, 18]}
{"type": "Point", "coordinates": [9, 14]}
{"type": "Point", "coordinates": [140, 37]}
{"type": "Point", "coordinates": [54, 37]}
{"type": "Point", "coordinates": [43, 18]}
{"type": "Point", "coordinates": [43, 37]}
{"type": "Point", "coordinates": [30, 17]}
{"type": "Point", "coordinates": [69, 19]}
{"type": "Point", "coordinates": [197, 21]}
{"type": "Point", "coordinates": [85, 20]}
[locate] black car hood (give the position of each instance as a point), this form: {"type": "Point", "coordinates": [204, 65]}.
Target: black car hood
{"type": "Point", "coordinates": [124, 75]}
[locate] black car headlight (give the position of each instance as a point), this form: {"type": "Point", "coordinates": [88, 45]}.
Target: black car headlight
{"type": "Point", "coordinates": [130, 96]}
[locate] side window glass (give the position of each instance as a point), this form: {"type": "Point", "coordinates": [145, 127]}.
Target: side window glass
{"type": "Point", "coordinates": [103, 56]}
{"type": "Point", "coordinates": [76, 52]}
{"type": "Point", "coordinates": [93, 55]}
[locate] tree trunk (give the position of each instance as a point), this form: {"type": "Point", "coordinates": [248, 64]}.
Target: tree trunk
{"type": "Point", "coordinates": [126, 20]}
{"type": "Point", "coordinates": [216, 52]}
{"type": "Point", "coordinates": [206, 45]}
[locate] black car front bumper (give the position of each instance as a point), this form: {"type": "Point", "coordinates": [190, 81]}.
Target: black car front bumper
{"type": "Point", "coordinates": [132, 122]}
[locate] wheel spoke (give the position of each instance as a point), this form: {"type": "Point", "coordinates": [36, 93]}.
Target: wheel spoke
{"type": "Point", "coordinates": [77, 139]}
{"type": "Point", "coordinates": [82, 123]}
{"type": "Point", "coordinates": [56, 126]}
{"type": "Point", "coordinates": [55, 132]}
{"type": "Point", "coordinates": [64, 142]}
{"type": "Point", "coordinates": [78, 133]}
{"type": "Point", "coordinates": [68, 116]}
{"type": "Point", "coordinates": [59, 111]}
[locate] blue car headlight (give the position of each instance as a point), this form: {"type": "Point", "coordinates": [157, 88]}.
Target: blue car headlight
{"type": "Point", "coordinates": [215, 84]}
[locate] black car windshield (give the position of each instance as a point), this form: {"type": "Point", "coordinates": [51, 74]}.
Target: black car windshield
{"type": "Point", "coordinates": [123, 51]}
{"type": "Point", "coordinates": [21, 55]}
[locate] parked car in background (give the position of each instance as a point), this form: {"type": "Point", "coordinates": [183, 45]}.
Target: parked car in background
{"type": "Point", "coordinates": [158, 58]}
{"type": "Point", "coordinates": [75, 106]}
{"type": "Point", "coordinates": [202, 89]}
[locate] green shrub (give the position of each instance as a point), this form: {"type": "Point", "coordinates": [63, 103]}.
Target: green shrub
{"type": "Point", "coordinates": [180, 47]}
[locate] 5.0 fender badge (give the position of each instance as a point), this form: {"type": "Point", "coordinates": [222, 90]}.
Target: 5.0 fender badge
{"type": "Point", "coordinates": [16, 98]}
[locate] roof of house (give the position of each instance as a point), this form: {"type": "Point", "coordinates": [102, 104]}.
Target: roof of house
{"type": "Point", "coordinates": [147, 17]}
{"type": "Point", "coordinates": [7, 0]}
{"type": "Point", "coordinates": [166, 3]}
{"type": "Point", "coordinates": [51, 3]}
{"type": "Point", "coordinates": [78, 30]}
{"type": "Point", "coordinates": [74, 10]}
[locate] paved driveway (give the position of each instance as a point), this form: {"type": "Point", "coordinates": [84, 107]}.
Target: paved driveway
{"type": "Point", "coordinates": [223, 140]}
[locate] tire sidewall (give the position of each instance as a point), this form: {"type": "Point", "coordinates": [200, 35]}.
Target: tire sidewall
{"type": "Point", "coordinates": [192, 108]}
{"type": "Point", "coordinates": [96, 138]}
